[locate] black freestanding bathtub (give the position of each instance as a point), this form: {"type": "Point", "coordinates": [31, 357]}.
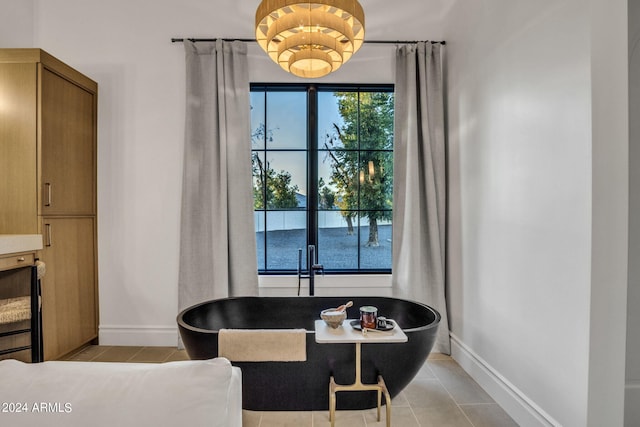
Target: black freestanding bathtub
{"type": "Point", "coordinates": [304, 386]}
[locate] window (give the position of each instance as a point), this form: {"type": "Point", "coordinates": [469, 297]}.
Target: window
{"type": "Point", "coordinates": [322, 160]}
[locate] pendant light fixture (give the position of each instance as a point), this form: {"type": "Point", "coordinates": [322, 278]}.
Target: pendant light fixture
{"type": "Point", "coordinates": [310, 38]}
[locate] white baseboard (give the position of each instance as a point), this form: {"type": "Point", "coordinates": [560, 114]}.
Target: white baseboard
{"type": "Point", "coordinates": [523, 410]}
{"type": "Point", "coordinates": [148, 336]}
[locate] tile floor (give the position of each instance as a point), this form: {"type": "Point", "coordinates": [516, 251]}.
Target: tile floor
{"type": "Point", "coordinates": [441, 395]}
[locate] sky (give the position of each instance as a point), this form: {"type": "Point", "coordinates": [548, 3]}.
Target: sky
{"type": "Point", "coordinates": [286, 123]}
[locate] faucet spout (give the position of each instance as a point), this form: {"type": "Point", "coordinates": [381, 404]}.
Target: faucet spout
{"type": "Point", "coordinates": [312, 266]}
{"type": "Point", "coordinates": [299, 268]}
{"type": "Point", "coordinates": [311, 261]}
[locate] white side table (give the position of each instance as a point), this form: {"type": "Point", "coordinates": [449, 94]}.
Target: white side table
{"type": "Point", "coordinates": [346, 334]}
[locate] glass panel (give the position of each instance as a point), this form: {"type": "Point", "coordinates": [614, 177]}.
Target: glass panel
{"type": "Point", "coordinates": [330, 121]}
{"type": "Point", "coordinates": [286, 233]}
{"type": "Point", "coordinates": [258, 172]}
{"type": "Point", "coordinates": [338, 179]}
{"type": "Point", "coordinates": [257, 120]}
{"type": "Point", "coordinates": [375, 242]}
{"type": "Point", "coordinates": [259, 219]}
{"type": "Point", "coordinates": [376, 120]}
{"type": "Point", "coordinates": [376, 180]}
{"type": "Point", "coordinates": [286, 173]}
{"type": "Point", "coordinates": [347, 106]}
{"type": "Point", "coordinates": [287, 120]}
{"type": "Point", "coordinates": [328, 177]}
{"type": "Point", "coordinates": [337, 240]}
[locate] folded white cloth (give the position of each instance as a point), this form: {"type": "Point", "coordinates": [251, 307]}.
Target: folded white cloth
{"type": "Point", "coordinates": [15, 310]}
{"type": "Point", "coordinates": [263, 345]}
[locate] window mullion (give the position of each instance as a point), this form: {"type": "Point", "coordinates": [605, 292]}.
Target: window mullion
{"type": "Point", "coordinates": [264, 183]}
{"type": "Point", "coordinates": [312, 158]}
{"type": "Point", "coordinates": [358, 214]}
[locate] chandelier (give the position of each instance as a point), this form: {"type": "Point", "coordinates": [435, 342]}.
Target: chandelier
{"type": "Point", "coordinates": [310, 38]}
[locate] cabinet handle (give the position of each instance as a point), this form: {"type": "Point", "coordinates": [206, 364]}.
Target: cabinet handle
{"type": "Point", "coordinates": [20, 259]}
{"type": "Point", "coordinates": [48, 240]}
{"type": "Point", "coordinates": [47, 194]}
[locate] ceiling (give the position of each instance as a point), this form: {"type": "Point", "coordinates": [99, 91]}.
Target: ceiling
{"type": "Point", "coordinates": [384, 19]}
{"type": "Point", "coordinates": [405, 19]}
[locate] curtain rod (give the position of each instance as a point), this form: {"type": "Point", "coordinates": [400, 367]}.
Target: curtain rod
{"type": "Point", "coordinates": [180, 40]}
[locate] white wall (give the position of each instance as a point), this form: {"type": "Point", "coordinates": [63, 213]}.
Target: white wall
{"type": "Point", "coordinates": [610, 211]}
{"type": "Point", "coordinates": [16, 23]}
{"type": "Point", "coordinates": [297, 220]}
{"type": "Point", "coordinates": [529, 206]}
{"type": "Point", "coordinates": [522, 146]}
{"type": "Point", "coordinates": [632, 395]}
{"type": "Point", "coordinates": [125, 46]}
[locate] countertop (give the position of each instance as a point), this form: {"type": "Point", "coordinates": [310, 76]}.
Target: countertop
{"type": "Point", "coordinates": [13, 243]}
{"type": "Point", "coordinates": [347, 334]}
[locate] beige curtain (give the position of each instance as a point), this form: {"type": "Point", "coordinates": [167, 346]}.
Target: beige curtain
{"type": "Point", "coordinates": [419, 182]}
{"type": "Point", "coordinates": [217, 237]}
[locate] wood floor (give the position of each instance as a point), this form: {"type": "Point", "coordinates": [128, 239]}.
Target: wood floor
{"type": "Point", "coordinates": [441, 395]}
{"type": "Point", "coordinates": [101, 353]}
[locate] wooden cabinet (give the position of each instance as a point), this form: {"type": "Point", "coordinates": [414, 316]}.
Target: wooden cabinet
{"type": "Point", "coordinates": [68, 317]}
{"type": "Point", "coordinates": [48, 128]}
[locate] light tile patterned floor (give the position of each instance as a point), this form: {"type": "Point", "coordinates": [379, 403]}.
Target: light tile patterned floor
{"type": "Point", "coordinates": [441, 395]}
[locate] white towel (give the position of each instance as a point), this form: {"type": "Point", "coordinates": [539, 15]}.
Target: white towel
{"type": "Point", "coordinates": [263, 345]}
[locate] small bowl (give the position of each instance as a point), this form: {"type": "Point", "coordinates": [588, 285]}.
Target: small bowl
{"type": "Point", "coordinates": [333, 318]}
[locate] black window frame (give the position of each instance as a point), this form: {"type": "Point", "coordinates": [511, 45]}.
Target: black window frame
{"type": "Point", "coordinates": [312, 151]}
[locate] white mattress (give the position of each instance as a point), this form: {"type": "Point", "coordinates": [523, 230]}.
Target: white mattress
{"type": "Point", "coordinates": [185, 393]}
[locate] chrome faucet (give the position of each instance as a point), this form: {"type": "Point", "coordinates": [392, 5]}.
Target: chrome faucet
{"type": "Point", "coordinates": [312, 266]}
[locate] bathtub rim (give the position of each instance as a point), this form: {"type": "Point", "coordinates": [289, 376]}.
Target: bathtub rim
{"type": "Point", "coordinates": [183, 324]}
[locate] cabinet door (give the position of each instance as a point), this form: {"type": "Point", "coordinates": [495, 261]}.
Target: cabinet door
{"type": "Point", "coordinates": [18, 202]}
{"type": "Point", "coordinates": [67, 146]}
{"type": "Point", "coordinates": [69, 309]}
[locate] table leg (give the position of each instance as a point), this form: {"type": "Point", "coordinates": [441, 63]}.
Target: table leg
{"type": "Point", "coordinates": [332, 401]}
{"type": "Point", "coordinates": [380, 388]}
{"type": "Point", "coordinates": [387, 399]}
